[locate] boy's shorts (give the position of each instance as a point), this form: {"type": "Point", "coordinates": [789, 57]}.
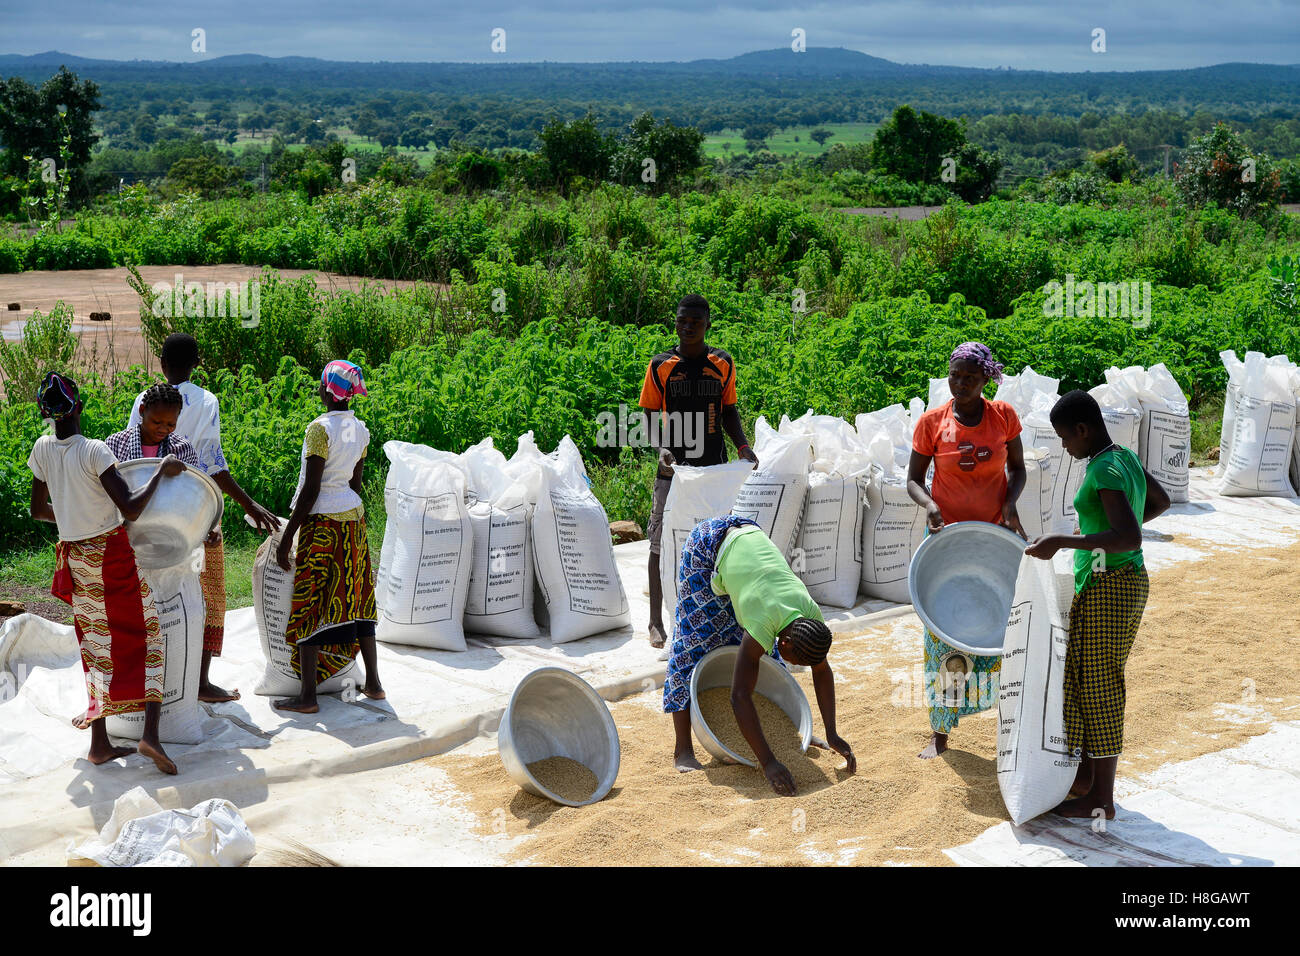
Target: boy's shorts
{"type": "Point", "coordinates": [654, 529]}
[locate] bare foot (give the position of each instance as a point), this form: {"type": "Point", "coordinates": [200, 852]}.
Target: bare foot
{"type": "Point", "coordinates": [1083, 808]}
{"type": "Point", "coordinates": [98, 757]}
{"type": "Point", "coordinates": [155, 753]}
{"type": "Point", "coordinates": [819, 743]}
{"type": "Point", "coordinates": [296, 705]}
{"type": "Point", "coordinates": [937, 745]}
{"type": "Point", "coordinates": [81, 723]}
{"type": "Point", "coordinates": [1082, 785]}
{"type": "Point", "coordinates": [212, 694]}
{"type": "Point", "coordinates": [374, 691]}
{"type": "Point", "coordinates": [656, 635]}
{"type": "Point", "coordinates": [686, 762]}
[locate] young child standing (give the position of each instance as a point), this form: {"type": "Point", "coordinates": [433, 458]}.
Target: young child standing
{"type": "Point", "coordinates": [333, 609]}
{"type": "Point", "coordinates": [76, 486]}
{"type": "Point", "coordinates": [689, 400]}
{"type": "Point", "coordinates": [1116, 498]}
{"type": "Point", "coordinates": [199, 423]}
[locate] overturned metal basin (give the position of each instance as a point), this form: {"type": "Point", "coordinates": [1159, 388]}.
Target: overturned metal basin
{"type": "Point", "coordinates": [555, 713]}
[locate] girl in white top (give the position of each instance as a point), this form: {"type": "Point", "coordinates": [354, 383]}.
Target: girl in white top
{"type": "Point", "coordinates": [333, 611]}
{"type": "Point", "coordinates": [199, 423]}
{"type": "Point", "coordinates": [76, 486]}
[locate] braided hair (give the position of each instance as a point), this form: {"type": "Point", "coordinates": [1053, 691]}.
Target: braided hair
{"type": "Point", "coordinates": [811, 639]}
{"type": "Point", "coordinates": [161, 394]}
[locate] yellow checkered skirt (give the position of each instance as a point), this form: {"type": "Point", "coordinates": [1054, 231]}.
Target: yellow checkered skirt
{"type": "Point", "coordinates": [1104, 620]}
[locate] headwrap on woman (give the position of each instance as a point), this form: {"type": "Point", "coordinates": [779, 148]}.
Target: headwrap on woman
{"type": "Point", "coordinates": [981, 355]}
{"type": "Point", "coordinates": [342, 379]}
{"type": "Point", "coordinates": [57, 396]}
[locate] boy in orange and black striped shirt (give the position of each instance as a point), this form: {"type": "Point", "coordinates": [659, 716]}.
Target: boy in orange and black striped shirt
{"type": "Point", "coordinates": [692, 388]}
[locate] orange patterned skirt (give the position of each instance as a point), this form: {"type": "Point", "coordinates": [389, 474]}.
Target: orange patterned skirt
{"type": "Point", "coordinates": [213, 582]}
{"type": "Point", "coordinates": [116, 624]}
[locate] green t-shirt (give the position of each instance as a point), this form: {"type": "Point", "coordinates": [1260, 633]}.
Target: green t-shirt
{"type": "Point", "coordinates": [1119, 469]}
{"type": "Point", "coordinates": [765, 594]}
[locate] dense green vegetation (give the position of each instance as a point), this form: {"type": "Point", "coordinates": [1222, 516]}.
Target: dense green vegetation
{"type": "Point", "coordinates": [587, 284]}
{"type": "Point", "coordinates": [243, 113]}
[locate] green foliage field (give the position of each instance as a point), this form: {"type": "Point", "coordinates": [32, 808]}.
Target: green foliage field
{"type": "Point", "coordinates": [588, 285]}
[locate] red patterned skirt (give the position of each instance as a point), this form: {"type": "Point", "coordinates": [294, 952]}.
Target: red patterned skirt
{"type": "Point", "coordinates": [116, 624]}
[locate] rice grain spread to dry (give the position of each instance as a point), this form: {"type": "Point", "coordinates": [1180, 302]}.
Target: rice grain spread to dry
{"type": "Point", "coordinates": [567, 777]}
{"type": "Point", "coordinates": [1206, 673]}
{"type": "Point", "coordinates": [781, 735]}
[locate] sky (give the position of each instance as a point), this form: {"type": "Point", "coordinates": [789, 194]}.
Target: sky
{"type": "Point", "coordinates": [1031, 34]}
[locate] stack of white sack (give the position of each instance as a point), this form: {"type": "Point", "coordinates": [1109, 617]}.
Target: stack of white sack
{"type": "Point", "coordinates": [502, 496]}
{"type": "Point", "coordinates": [576, 570]}
{"type": "Point", "coordinates": [695, 495]}
{"type": "Point", "coordinates": [828, 553]}
{"type": "Point", "coordinates": [1032, 396]}
{"type": "Point", "coordinates": [773, 494]}
{"type": "Point", "coordinates": [1121, 409]}
{"type": "Point", "coordinates": [428, 550]}
{"type": "Point", "coordinates": [1257, 447]}
{"type": "Point", "coordinates": [893, 525]}
{"type": "Point", "coordinates": [1165, 435]}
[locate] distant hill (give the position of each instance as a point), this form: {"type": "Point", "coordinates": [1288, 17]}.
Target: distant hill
{"type": "Point", "coordinates": [823, 84]}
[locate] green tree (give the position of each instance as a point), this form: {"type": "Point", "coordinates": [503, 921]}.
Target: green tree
{"type": "Point", "coordinates": [913, 145]}
{"type": "Point", "coordinates": [925, 148]}
{"type": "Point", "coordinates": [577, 148]}
{"type": "Point", "coordinates": [676, 151]}
{"type": "Point", "coordinates": [1116, 164]}
{"type": "Point", "coordinates": [820, 135]}
{"type": "Point", "coordinates": [30, 124]}
{"type": "Point", "coordinates": [1218, 168]}
{"type": "Point", "coordinates": [206, 175]}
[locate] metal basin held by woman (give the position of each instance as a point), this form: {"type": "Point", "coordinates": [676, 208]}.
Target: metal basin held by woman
{"type": "Point", "coordinates": [774, 682]}
{"type": "Point", "coordinates": [177, 518]}
{"type": "Point", "coordinates": [555, 713]}
{"type": "Point", "coordinates": [962, 581]}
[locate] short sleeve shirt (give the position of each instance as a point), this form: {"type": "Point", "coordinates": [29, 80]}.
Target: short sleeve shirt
{"type": "Point", "coordinates": [1117, 469]}
{"type": "Point", "coordinates": [690, 395]}
{"type": "Point", "coordinates": [766, 595]}
{"type": "Point", "coordinates": [199, 423]}
{"type": "Point", "coordinates": [970, 464]}
{"type": "Point", "coordinates": [70, 468]}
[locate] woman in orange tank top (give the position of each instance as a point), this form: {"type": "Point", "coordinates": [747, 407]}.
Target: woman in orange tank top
{"type": "Point", "coordinates": [979, 472]}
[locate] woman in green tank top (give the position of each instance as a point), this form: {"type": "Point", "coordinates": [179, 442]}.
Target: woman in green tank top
{"type": "Point", "coordinates": [1116, 497]}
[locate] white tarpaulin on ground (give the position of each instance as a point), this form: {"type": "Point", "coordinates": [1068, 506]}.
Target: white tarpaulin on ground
{"type": "Point", "coordinates": [282, 771]}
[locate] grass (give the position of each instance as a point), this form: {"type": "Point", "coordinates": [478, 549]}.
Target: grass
{"type": "Point", "coordinates": [783, 142]}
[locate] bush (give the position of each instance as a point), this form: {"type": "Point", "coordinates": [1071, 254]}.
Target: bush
{"type": "Point", "coordinates": [69, 250]}
{"type": "Point", "coordinates": [47, 345]}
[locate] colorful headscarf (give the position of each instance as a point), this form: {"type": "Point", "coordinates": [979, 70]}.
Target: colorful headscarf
{"type": "Point", "coordinates": [981, 355]}
{"type": "Point", "coordinates": [57, 396]}
{"type": "Point", "coordinates": [342, 379]}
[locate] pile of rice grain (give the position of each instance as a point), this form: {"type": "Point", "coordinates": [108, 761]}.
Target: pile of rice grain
{"type": "Point", "coordinates": [564, 776]}
{"type": "Point", "coordinates": [1203, 676]}
{"type": "Point", "coordinates": [781, 734]}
